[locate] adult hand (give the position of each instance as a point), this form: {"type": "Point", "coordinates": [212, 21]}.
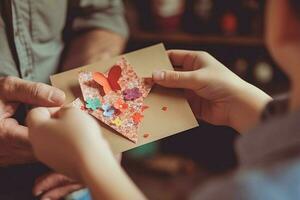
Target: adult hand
{"type": "Point", "coordinates": [216, 94]}
{"type": "Point", "coordinates": [54, 186]}
{"type": "Point", "coordinates": [14, 144]}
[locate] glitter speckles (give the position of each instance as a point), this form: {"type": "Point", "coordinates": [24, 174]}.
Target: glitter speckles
{"type": "Point", "coordinates": [121, 93]}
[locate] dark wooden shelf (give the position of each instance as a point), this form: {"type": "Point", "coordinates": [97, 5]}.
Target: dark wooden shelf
{"type": "Point", "coordinates": [194, 39]}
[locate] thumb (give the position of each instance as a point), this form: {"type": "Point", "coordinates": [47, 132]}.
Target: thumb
{"type": "Point", "coordinates": [37, 116]}
{"type": "Point", "coordinates": [175, 79]}
{"type": "Point", "coordinates": [40, 94]}
{"type": "Point", "coordinates": [13, 130]}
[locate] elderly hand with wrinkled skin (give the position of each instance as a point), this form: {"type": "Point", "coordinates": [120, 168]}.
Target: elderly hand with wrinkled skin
{"type": "Point", "coordinates": [14, 144]}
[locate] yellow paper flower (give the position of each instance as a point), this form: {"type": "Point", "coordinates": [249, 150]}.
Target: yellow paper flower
{"type": "Point", "coordinates": [117, 121]}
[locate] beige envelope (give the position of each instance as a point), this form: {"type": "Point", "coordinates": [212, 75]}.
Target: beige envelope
{"type": "Point", "coordinates": [157, 123]}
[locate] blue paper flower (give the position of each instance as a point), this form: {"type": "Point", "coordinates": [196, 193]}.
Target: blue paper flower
{"type": "Point", "coordinates": [108, 110]}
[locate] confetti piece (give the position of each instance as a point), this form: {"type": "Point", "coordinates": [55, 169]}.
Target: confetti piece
{"type": "Point", "coordinates": [146, 135]}
{"type": "Point", "coordinates": [83, 107]}
{"type": "Point", "coordinates": [137, 117]}
{"type": "Point", "coordinates": [164, 108]}
{"type": "Point", "coordinates": [145, 107]}
{"type": "Point", "coordinates": [117, 121]}
{"type": "Point", "coordinates": [93, 103]}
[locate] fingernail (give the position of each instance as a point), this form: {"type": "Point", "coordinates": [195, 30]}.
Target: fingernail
{"type": "Point", "coordinates": [46, 198]}
{"type": "Point", "coordinates": [57, 96]}
{"type": "Point", "coordinates": [159, 75]}
{"type": "Point", "coordinates": [38, 193]}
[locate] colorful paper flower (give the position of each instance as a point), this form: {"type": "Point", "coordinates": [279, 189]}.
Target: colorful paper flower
{"type": "Point", "coordinates": [137, 117]}
{"type": "Point", "coordinates": [121, 105]}
{"type": "Point", "coordinates": [93, 103]}
{"type": "Point", "coordinates": [108, 110]}
{"type": "Point", "coordinates": [117, 121]}
{"type": "Point", "coordinates": [132, 94]}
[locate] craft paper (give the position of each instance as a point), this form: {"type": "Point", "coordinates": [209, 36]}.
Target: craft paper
{"type": "Point", "coordinates": [156, 123]}
{"type": "Point", "coordinates": [121, 106]}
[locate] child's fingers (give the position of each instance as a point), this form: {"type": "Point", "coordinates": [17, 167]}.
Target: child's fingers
{"type": "Point", "coordinates": [69, 111]}
{"type": "Point", "coordinates": [178, 69]}
{"type": "Point", "coordinates": [180, 57]}
{"type": "Point", "coordinates": [37, 116]}
{"type": "Point", "coordinates": [187, 60]}
{"type": "Point", "coordinates": [175, 79]}
{"type": "Point", "coordinates": [53, 110]}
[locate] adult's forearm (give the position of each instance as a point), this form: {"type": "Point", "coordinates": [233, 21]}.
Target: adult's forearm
{"type": "Point", "coordinates": [92, 46]}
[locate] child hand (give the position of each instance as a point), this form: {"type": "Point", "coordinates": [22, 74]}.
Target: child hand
{"type": "Point", "coordinates": [63, 139]}
{"type": "Point", "coordinates": [216, 94]}
{"type": "Point", "coordinates": [70, 142]}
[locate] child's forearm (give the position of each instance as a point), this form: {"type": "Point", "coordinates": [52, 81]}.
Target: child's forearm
{"type": "Point", "coordinates": [105, 178]}
{"type": "Point", "coordinates": [246, 112]}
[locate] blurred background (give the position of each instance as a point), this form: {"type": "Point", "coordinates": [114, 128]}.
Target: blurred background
{"type": "Point", "coordinates": [230, 30]}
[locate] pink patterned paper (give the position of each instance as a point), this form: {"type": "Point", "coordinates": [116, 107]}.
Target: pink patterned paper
{"type": "Point", "coordinates": [127, 113]}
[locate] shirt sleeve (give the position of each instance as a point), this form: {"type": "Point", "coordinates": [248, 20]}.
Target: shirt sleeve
{"type": "Point", "coordinates": [104, 14]}
{"type": "Point", "coordinates": [268, 157]}
{"type": "Point", "coordinates": [275, 108]}
{"type": "Point", "coordinates": [222, 188]}
{"type": "Point", "coordinates": [265, 182]}
{"type": "Point", "coordinates": [275, 137]}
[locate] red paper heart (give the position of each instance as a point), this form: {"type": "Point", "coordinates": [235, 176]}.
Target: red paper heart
{"type": "Point", "coordinates": [111, 82]}
{"type": "Point", "coordinates": [114, 75]}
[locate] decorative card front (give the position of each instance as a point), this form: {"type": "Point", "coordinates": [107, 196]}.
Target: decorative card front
{"type": "Point", "coordinates": [168, 111]}
{"type": "Point", "coordinates": [115, 98]}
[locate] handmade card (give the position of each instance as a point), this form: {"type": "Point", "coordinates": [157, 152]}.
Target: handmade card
{"type": "Point", "coordinates": [115, 98]}
{"type": "Point", "coordinates": [117, 93]}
